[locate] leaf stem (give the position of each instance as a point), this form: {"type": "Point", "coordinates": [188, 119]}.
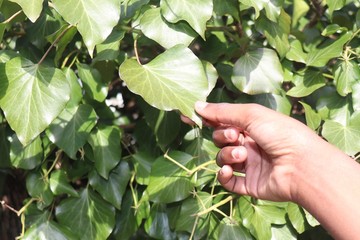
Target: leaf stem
{"type": "Point", "coordinates": [215, 206]}
{"type": "Point", "coordinates": [136, 51]}
{"type": "Point", "coordinates": [202, 166]}
{"type": "Point", "coordinates": [54, 43]}
{"type": "Point", "coordinates": [58, 157]}
{"type": "Point", "coordinates": [12, 17]}
{"type": "Point", "coordinates": [194, 228]}
{"type": "Point", "coordinates": [166, 156]}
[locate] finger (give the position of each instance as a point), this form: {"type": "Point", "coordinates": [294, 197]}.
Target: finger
{"type": "Point", "coordinates": [234, 156]}
{"type": "Point", "coordinates": [231, 182]}
{"type": "Point", "coordinates": [226, 136]}
{"type": "Point", "coordinates": [238, 115]}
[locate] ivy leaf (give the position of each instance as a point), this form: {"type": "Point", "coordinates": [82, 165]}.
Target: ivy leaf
{"type": "Point", "coordinates": [258, 5]}
{"type": "Point", "coordinates": [296, 52]}
{"type": "Point", "coordinates": [27, 157]}
{"type": "Point", "coordinates": [176, 79]}
{"type": "Point", "coordinates": [283, 232]}
{"type": "Point", "coordinates": [31, 8]}
{"type": "Point", "coordinates": [258, 72]}
{"type": "Point", "coordinates": [88, 217]}
{"type": "Point", "coordinates": [231, 230]}
{"type": "Point", "coordinates": [273, 10]}
{"type": "Point", "coordinates": [335, 5]}
{"type": "Point", "coordinates": [300, 9]}
{"type": "Point", "coordinates": [186, 219]}
{"type": "Point", "coordinates": [313, 119]}
{"type": "Point", "coordinates": [40, 94]}
{"type": "Point", "coordinates": [157, 225]}
{"type": "Point", "coordinates": [109, 50]}
{"type": "Point", "coordinates": [168, 182]}
{"type": "Point", "coordinates": [47, 231]}
{"type": "Point", "coordinates": [306, 83]}
{"type": "Point", "coordinates": [320, 57]}
{"type": "Point", "coordinates": [166, 34]}
{"type": "Point", "coordinates": [346, 73]}
{"type": "Point", "coordinates": [71, 129]}
{"type": "Point", "coordinates": [277, 33]}
{"type": "Point", "coordinates": [105, 142]}
{"type": "Point", "coordinates": [296, 217]}
{"type": "Point", "coordinates": [227, 7]}
{"type": "Point", "coordinates": [346, 137]}
{"type": "Point", "coordinates": [38, 187]}
{"type": "Point", "coordinates": [94, 26]}
{"type": "Point", "coordinates": [59, 184]}
{"type": "Point", "coordinates": [195, 12]}
{"type": "Point", "coordinates": [113, 189]}
{"type": "Point", "coordinates": [356, 96]}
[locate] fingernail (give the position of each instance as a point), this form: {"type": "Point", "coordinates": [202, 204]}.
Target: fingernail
{"type": "Point", "coordinates": [230, 135]}
{"type": "Point", "coordinates": [200, 105]}
{"type": "Point", "coordinates": [236, 153]}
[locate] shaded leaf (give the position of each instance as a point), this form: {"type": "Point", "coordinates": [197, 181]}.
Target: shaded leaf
{"type": "Point", "coordinates": [27, 157]}
{"type": "Point", "coordinates": [155, 27]}
{"type": "Point", "coordinates": [38, 187]}
{"type": "Point", "coordinates": [306, 83]}
{"type": "Point", "coordinates": [168, 81]}
{"type": "Point", "coordinates": [258, 72]}
{"type": "Point", "coordinates": [105, 142]}
{"type": "Point", "coordinates": [157, 225]}
{"type": "Point", "coordinates": [113, 189]}
{"type": "Point", "coordinates": [232, 230]}
{"type": "Point", "coordinates": [168, 182]}
{"type": "Point", "coordinates": [88, 217]}
{"type": "Point", "coordinates": [94, 26]}
{"type": "Point", "coordinates": [40, 94]}
{"type": "Point", "coordinates": [346, 73]}
{"type": "Point", "coordinates": [109, 49]}
{"type": "Point", "coordinates": [175, 11]}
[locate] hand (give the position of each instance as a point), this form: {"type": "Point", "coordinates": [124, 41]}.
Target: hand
{"type": "Point", "coordinates": [264, 145]}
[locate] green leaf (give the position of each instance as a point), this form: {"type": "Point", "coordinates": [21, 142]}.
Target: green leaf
{"type": "Point", "coordinates": [296, 52]}
{"type": "Point", "coordinates": [230, 230]}
{"type": "Point", "coordinates": [2, 30]}
{"type": "Point", "coordinates": [109, 49]}
{"type": "Point", "coordinates": [94, 26]}
{"type": "Point", "coordinates": [276, 102]}
{"type": "Point", "coordinates": [113, 189]}
{"type": "Point", "coordinates": [40, 94]}
{"type": "Point", "coordinates": [296, 217]}
{"type": "Point", "coordinates": [227, 7]}
{"type": "Point", "coordinates": [4, 147]}
{"type": "Point", "coordinates": [356, 96]}
{"type": "Point", "coordinates": [283, 232]}
{"type": "Point", "coordinates": [59, 184]}
{"type": "Point", "coordinates": [142, 163]}
{"type": "Point", "coordinates": [76, 94]}
{"type": "Point", "coordinates": [155, 27]}
{"type": "Point", "coordinates": [48, 230]}
{"type": "Point", "coordinates": [27, 157]}
{"type": "Point", "coordinates": [175, 11]}
{"type": "Point", "coordinates": [277, 33]}
{"type": "Point", "coordinates": [258, 5]}
{"type": "Point", "coordinates": [300, 9]}
{"type": "Point", "coordinates": [168, 182]}
{"type": "Point", "coordinates": [313, 119]}
{"type": "Point", "coordinates": [346, 137]}
{"type": "Point", "coordinates": [31, 8]}
{"type": "Point", "coordinates": [105, 142]}
{"type": "Point", "coordinates": [71, 129]}
{"type": "Point", "coordinates": [333, 29]}
{"type": "Point", "coordinates": [187, 218]}
{"type": "Point", "coordinates": [94, 87]}
{"type": "Point", "coordinates": [157, 225]}
{"type": "Point", "coordinates": [306, 83]}
{"type": "Point", "coordinates": [320, 57]}
{"type": "Point", "coordinates": [346, 73]}
{"type": "Point", "coordinates": [38, 187]}
{"type": "Point", "coordinates": [258, 72]}
{"type": "Point", "coordinates": [88, 217]}
{"type": "Point", "coordinates": [335, 5]}
{"type": "Point", "coordinates": [176, 79]}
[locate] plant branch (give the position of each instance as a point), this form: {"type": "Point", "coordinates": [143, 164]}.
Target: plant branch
{"type": "Point", "coordinates": [54, 43]}
{"type": "Point", "coordinates": [166, 156]}
{"type": "Point", "coordinates": [202, 166]}
{"type": "Point", "coordinates": [58, 157]}
{"type": "Point", "coordinates": [215, 206]}
{"type": "Point", "coordinates": [12, 17]}
{"type": "Point", "coordinates": [136, 51]}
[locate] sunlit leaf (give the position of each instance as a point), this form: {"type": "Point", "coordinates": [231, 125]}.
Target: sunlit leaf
{"type": "Point", "coordinates": [94, 21]}
{"type": "Point", "coordinates": [258, 72]}
{"type": "Point", "coordinates": [345, 137]}
{"type": "Point", "coordinates": [300, 9]}
{"type": "Point", "coordinates": [168, 182]}
{"type": "Point", "coordinates": [166, 34]}
{"type": "Point", "coordinates": [88, 217]}
{"type": "Point", "coordinates": [59, 184]}
{"type": "Point", "coordinates": [195, 12]}
{"type": "Point", "coordinates": [296, 217]}
{"type": "Point", "coordinates": [175, 79]}
{"type": "Point", "coordinates": [345, 75]}
{"type": "Point", "coordinates": [306, 83]}
{"type": "Point", "coordinates": [257, 5]}
{"type": "Point", "coordinates": [313, 119]}
{"type": "Point", "coordinates": [320, 57]}
{"type": "Point", "coordinates": [232, 230]}
{"type": "Point", "coordinates": [32, 8]}
{"type": "Point", "coordinates": [296, 52]}
{"type": "Point", "coordinates": [335, 5]}
{"type": "Point", "coordinates": [40, 94]}
{"type": "Point", "coordinates": [48, 230]}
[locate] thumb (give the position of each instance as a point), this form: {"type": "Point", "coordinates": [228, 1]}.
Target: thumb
{"type": "Point", "coordinates": [239, 115]}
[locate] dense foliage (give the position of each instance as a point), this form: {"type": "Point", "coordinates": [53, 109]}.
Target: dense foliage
{"type": "Point", "coordinates": [91, 94]}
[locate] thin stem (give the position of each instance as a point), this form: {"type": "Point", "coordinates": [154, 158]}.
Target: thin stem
{"type": "Point", "coordinates": [328, 75]}
{"type": "Point", "coordinates": [58, 157]}
{"type": "Point", "coordinates": [176, 163]}
{"type": "Point", "coordinates": [194, 228]}
{"type": "Point", "coordinates": [3, 203]}
{"type": "Point", "coordinates": [133, 191]}
{"type": "Point", "coordinates": [136, 51]}
{"type": "Point", "coordinates": [215, 206]}
{"type": "Point", "coordinates": [12, 17]}
{"type": "Point", "coordinates": [23, 209]}
{"type": "Point", "coordinates": [202, 166]}
{"type": "Point", "coordinates": [54, 43]}
{"type": "Point", "coordinates": [68, 57]}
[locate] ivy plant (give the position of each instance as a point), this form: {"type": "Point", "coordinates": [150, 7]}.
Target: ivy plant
{"type": "Point", "coordinates": [91, 94]}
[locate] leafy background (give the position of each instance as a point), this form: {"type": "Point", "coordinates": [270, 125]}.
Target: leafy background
{"type": "Point", "coordinates": [91, 142]}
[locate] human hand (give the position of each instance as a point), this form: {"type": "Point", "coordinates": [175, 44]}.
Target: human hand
{"type": "Point", "coordinates": [266, 146]}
